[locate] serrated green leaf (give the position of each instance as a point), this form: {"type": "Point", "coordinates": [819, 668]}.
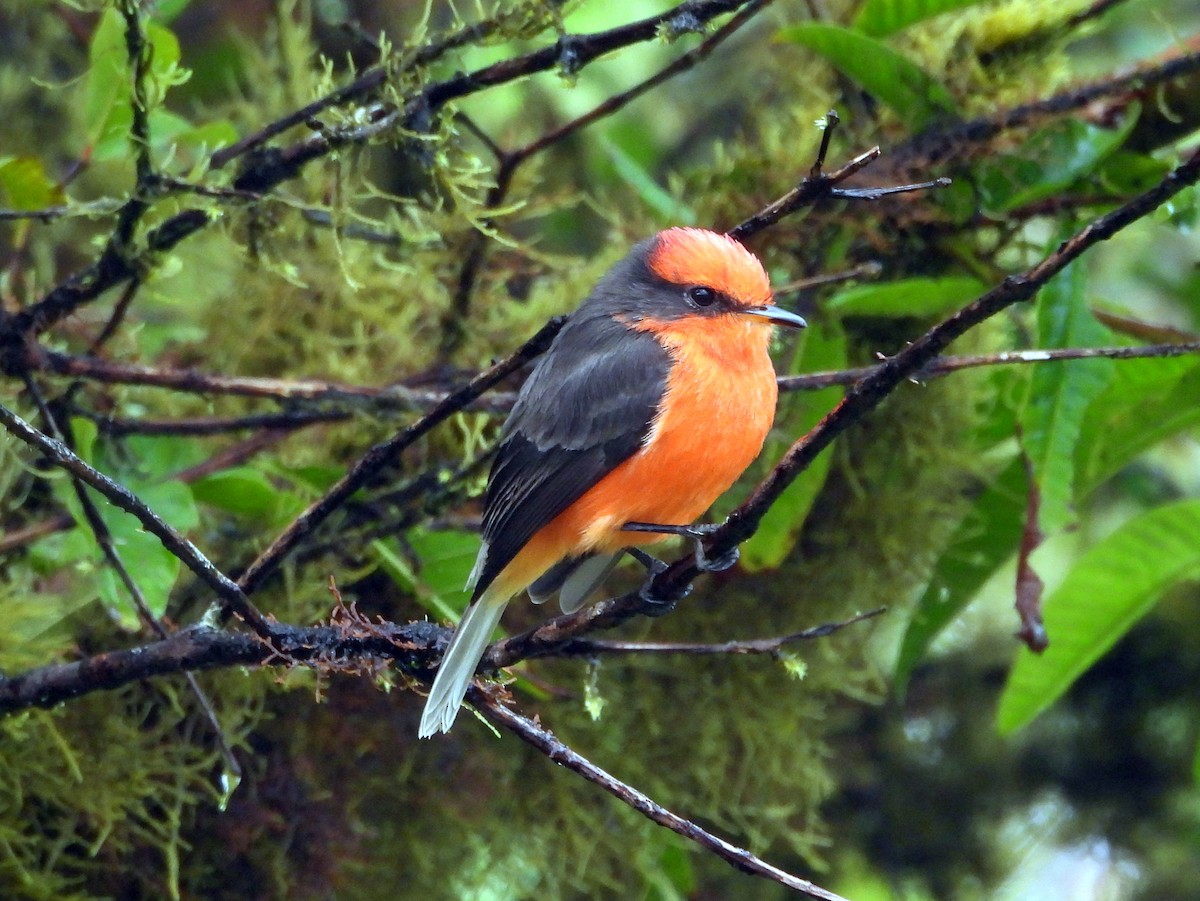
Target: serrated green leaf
{"type": "Point", "coordinates": [880, 70]}
{"type": "Point", "coordinates": [906, 297]}
{"type": "Point", "coordinates": [879, 18]}
{"type": "Point", "coordinates": [1107, 591]}
{"type": "Point", "coordinates": [986, 539]}
{"type": "Point", "coordinates": [781, 525]}
{"type": "Point", "coordinates": [243, 491]}
{"type": "Point", "coordinates": [1060, 393]}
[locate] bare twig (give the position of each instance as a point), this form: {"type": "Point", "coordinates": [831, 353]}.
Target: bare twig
{"type": "Point", "coordinates": [384, 453]}
{"type": "Point", "coordinates": [545, 741]}
{"type": "Point", "coordinates": [108, 548]}
{"type": "Point", "coordinates": [942, 366]}
{"type": "Point", "coordinates": [584, 647]}
{"type": "Point", "coordinates": [453, 330]}
{"type": "Point", "coordinates": [810, 189]}
{"type": "Point", "coordinates": [122, 497]}
{"type": "Point", "coordinates": [673, 582]}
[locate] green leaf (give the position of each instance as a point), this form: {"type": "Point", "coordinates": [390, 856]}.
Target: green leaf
{"type": "Point", "coordinates": [1108, 590]}
{"type": "Point", "coordinates": [906, 297]}
{"type": "Point", "coordinates": [151, 565]}
{"type": "Point", "coordinates": [243, 491]}
{"type": "Point", "coordinates": [880, 70]}
{"type": "Point", "coordinates": [84, 433]}
{"type": "Point", "coordinates": [444, 560]}
{"type": "Point", "coordinates": [879, 18]}
{"type": "Point", "coordinates": [24, 184]}
{"type": "Point", "coordinates": [1048, 161]}
{"type": "Point", "coordinates": [668, 207]}
{"type": "Point", "coordinates": [1060, 393]}
{"type": "Point", "coordinates": [776, 535]}
{"type": "Point", "coordinates": [107, 86]}
{"type": "Point", "coordinates": [1147, 402]}
{"type": "Point", "coordinates": [986, 539]}
{"type": "Point", "coordinates": [108, 114]}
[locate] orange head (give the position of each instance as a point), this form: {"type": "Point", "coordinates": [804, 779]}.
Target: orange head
{"type": "Point", "coordinates": [688, 272]}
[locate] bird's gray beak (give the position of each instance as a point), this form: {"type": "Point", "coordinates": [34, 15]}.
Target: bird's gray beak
{"type": "Point", "coordinates": [776, 315]}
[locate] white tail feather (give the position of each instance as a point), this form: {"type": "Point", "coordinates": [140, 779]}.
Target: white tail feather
{"type": "Point", "coordinates": [458, 665]}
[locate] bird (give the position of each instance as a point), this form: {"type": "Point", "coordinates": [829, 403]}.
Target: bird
{"type": "Point", "coordinates": [651, 401]}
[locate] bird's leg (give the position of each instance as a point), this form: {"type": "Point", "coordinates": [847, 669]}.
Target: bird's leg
{"type": "Point", "coordinates": [655, 606]}
{"type": "Point", "coordinates": [697, 533]}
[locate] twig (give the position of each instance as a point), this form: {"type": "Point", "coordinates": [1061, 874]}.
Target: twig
{"type": "Point", "coordinates": [942, 366]}
{"type": "Point", "coordinates": [381, 455]}
{"type": "Point", "coordinates": [215, 425]}
{"type": "Point", "coordinates": [811, 188]}
{"type": "Point", "coordinates": [122, 497]}
{"type": "Point", "coordinates": [935, 145]}
{"type": "Point", "coordinates": [584, 647]}
{"type": "Point", "coordinates": [869, 269]}
{"type": "Point", "coordinates": [865, 395]}
{"type": "Point", "coordinates": [452, 326]}
{"type": "Point", "coordinates": [108, 548]}
{"type": "Point", "coordinates": [545, 741]}
{"type": "Point", "coordinates": [396, 397]}
{"type": "Point", "coordinates": [11, 541]}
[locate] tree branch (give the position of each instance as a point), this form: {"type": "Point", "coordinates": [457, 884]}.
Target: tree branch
{"type": "Point", "coordinates": [545, 741]}
{"type": "Point", "coordinates": [122, 497]}
{"type": "Point", "coordinates": [673, 583]}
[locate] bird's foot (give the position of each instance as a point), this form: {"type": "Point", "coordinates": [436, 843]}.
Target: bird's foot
{"type": "Point", "coordinates": [697, 533]}
{"type": "Point", "coordinates": [655, 606]}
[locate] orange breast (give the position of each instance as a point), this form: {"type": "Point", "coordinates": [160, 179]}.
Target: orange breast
{"type": "Point", "coordinates": [717, 409]}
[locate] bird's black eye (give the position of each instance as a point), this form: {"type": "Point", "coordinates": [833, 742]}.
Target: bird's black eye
{"type": "Point", "coordinates": [702, 296]}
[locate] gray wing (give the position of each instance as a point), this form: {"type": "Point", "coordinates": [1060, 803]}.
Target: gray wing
{"type": "Point", "coordinates": [586, 408]}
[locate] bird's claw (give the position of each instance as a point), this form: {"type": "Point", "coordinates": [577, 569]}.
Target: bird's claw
{"type": "Point", "coordinates": [655, 606]}
{"type": "Point", "coordinates": [697, 533]}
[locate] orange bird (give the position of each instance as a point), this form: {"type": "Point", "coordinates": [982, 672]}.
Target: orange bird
{"type": "Point", "coordinates": [652, 400]}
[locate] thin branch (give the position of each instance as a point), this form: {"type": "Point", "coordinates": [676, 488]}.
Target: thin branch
{"type": "Point", "coordinates": [475, 254]}
{"type": "Point", "coordinates": [586, 647]}
{"type": "Point", "coordinates": [809, 190]}
{"type": "Point", "coordinates": [122, 497]}
{"type": "Point", "coordinates": [119, 427]}
{"type": "Point", "coordinates": [389, 397]}
{"type": "Point", "coordinates": [865, 395]}
{"type": "Point", "coordinates": [869, 269]}
{"type": "Point", "coordinates": [935, 145]}
{"type": "Point", "coordinates": [108, 548]}
{"type": "Point", "coordinates": [382, 455]}
{"type": "Point", "coordinates": [941, 366]}
{"type": "Point", "coordinates": [545, 741]}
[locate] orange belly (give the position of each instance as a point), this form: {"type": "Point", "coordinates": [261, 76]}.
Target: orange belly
{"type": "Point", "coordinates": [718, 407]}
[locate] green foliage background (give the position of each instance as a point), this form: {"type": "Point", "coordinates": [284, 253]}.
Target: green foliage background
{"type": "Point", "coordinates": [872, 759]}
